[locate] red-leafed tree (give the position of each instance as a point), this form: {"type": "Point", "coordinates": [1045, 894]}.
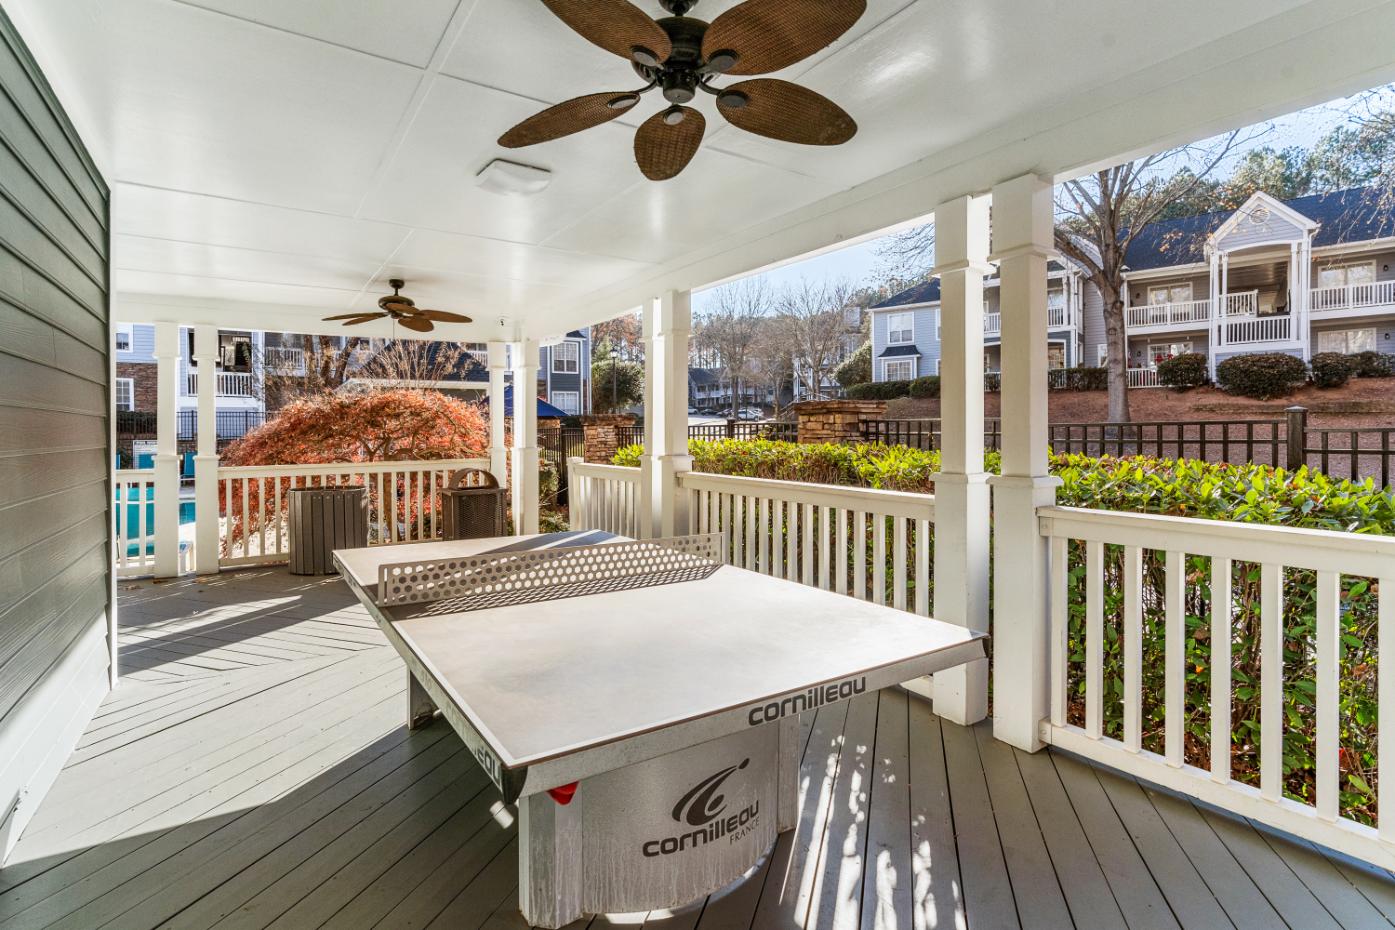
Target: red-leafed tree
{"type": "Point", "coordinates": [376, 426]}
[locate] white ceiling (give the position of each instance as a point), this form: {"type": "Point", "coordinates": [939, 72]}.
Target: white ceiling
{"type": "Point", "coordinates": [273, 161]}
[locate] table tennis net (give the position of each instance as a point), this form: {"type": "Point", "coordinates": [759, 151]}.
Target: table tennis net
{"type": "Point", "coordinates": [427, 587]}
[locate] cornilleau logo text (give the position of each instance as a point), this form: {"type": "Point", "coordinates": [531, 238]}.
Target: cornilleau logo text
{"type": "Point", "coordinates": [702, 807]}
{"type": "Point", "coordinates": [806, 700]}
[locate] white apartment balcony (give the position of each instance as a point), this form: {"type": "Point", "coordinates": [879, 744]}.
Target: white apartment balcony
{"type": "Point", "coordinates": [1370, 299]}
{"type": "Point", "coordinates": [1056, 315]}
{"type": "Point", "coordinates": [1187, 314]}
{"type": "Point", "coordinates": [230, 384]}
{"type": "Point", "coordinates": [284, 361]}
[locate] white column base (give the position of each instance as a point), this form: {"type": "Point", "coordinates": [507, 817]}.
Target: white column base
{"type": "Point", "coordinates": [166, 516]}
{"type": "Point", "coordinates": [670, 503]}
{"type": "Point", "coordinates": [525, 489]}
{"type": "Point", "coordinates": [961, 588]}
{"type": "Point", "coordinates": [206, 541]}
{"type": "Point", "coordinates": [1021, 604]}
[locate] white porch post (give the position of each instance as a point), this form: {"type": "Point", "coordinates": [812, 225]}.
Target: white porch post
{"type": "Point", "coordinates": [498, 453]}
{"type": "Point", "coordinates": [667, 324]}
{"type": "Point", "coordinates": [166, 449]}
{"type": "Point", "coordinates": [525, 436]}
{"type": "Point", "coordinates": [1217, 316]}
{"type": "Point", "coordinates": [206, 460]}
{"type": "Point", "coordinates": [1022, 236]}
{"type": "Point", "coordinates": [961, 489]}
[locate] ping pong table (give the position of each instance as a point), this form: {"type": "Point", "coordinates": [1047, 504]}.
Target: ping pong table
{"type": "Point", "coordinates": [638, 700]}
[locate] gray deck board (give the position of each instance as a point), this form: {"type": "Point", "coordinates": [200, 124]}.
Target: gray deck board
{"type": "Point", "coordinates": [253, 771]}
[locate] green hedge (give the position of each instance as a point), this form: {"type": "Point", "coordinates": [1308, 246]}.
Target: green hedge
{"type": "Point", "coordinates": [1332, 369]}
{"type": "Point", "coordinates": [1184, 371]}
{"type": "Point", "coordinates": [1262, 375]}
{"type": "Point", "coordinates": [879, 390]}
{"type": "Point", "coordinates": [1247, 494]}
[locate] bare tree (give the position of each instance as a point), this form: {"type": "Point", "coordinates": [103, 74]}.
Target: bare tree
{"type": "Point", "coordinates": [730, 324]}
{"type": "Point", "coordinates": [325, 365]}
{"type": "Point", "coordinates": [331, 362]}
{"type": "Point", "coordinates": [814, 320]}
{"type": "Point", "coordinates": [1098, 216]}
{"type": "Point", "coordinates": [772, 360]}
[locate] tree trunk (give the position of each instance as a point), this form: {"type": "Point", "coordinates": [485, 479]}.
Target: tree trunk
{"type": "Point", "coordinates": [1116, 343]}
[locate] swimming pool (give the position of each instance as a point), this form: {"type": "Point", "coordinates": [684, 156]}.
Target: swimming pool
{"type": "Point", "coordinates": [144, 523]}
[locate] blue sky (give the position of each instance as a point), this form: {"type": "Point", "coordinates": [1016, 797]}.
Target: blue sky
{"type": "Point", "coordinates": [859, 263]}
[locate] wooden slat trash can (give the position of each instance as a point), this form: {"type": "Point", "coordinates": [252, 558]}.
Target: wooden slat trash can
{"type": "Point", "coordinates": [472, 506]}
{"type": "Point", "coordinates": [322, 520]}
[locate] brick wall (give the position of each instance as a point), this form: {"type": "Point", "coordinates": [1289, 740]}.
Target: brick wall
{"type": "Point", "coordinates": [146, 383]}
{"type": "Point", "coordinates": [601, 436]}
{"type": "Point", "coordinates": [835, 420]}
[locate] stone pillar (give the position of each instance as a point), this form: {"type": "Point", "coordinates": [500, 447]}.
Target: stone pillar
{"type": "Point", "coordinates": [961, 488]}
{"type": "Point", "coordinates": [525, 436]}
{"type": "Point", "coordinates": [498, 449]}
{"type": "Point", "coordinates": [1023, 240]}
{"type": "Point", "coordinates": [835, 420]}
{"type": "Point", "coordinates": [666, 411]}
{"type": "Point", "coordinates": [600, 436]}
{"type": "Point", "coordinates": [206, 539]}
{"type": "Point", "coordinates": [167, 447]}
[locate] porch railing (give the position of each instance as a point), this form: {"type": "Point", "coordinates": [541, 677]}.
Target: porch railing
{"type": "Point", "coordinates": [1241, 303]}
{"type": "Point", "coordinates": [1276, 328]}
{"type": "Point", "coordinates": [604, 497]}
{"type": "Point", "coordinates": [871, 544]}
{"type": "Point", "coordinates": [284, 360]}
{"type": "Point", "coordinates": [1173, 314]}
{"type": "Point", "coordinates": [1352, 296]}
{"type": "Point", "coordinates": [401, 497]}
{"type": "Point", "coordinates": [1144, 378]}
{"type": "Point", "coordinates": [1137, 595]}
{"type": "Point", "coordinates": [135, 521]}
{"type": "Point", "coordinates": [230, 384]}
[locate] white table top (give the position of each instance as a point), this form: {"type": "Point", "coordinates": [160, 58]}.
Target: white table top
{"type": "Point", "coordinates": [545, 679]}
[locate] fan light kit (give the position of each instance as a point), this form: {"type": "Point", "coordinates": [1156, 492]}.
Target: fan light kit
{"type": "Point", "coordinates": [681, 55]}
{"type": "Point", "coordinates": [401, 310]}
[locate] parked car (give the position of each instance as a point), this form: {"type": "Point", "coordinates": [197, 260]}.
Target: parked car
{"type": "Point", "coordinates": [692, 410]}
{"type": "Point", "coordinates": [750, 413]}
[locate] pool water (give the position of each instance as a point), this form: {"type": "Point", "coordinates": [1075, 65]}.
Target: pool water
{"type": "Point", "coordinates": [131, 516]}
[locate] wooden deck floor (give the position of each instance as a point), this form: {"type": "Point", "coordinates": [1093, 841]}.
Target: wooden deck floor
{"type": "Point", "coordinates": [253, 771]}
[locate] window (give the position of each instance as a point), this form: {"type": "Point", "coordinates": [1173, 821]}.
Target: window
{"type": "Point", "coordinates": [567, 401]}
{"type": "Point", "coordinates": [1161, 352]}
{"type": "Point", "coordinates": [566, 357]}
{"type": "Point", "coordinates": [125, 394]}
{"type": "Point", "coordinates": [1101, 355]}
{"type": "Point", "coordinates": [124, 337]}
{"type": "Point", "coordinates": [898, 369]}
{"type": "Point", "coordinates": [900, 328]}
{"type": "Point", "coordinates": [1055, 355]}
{"type": "Point", "coordinates": [1345, 275]}
{"type": "Point", "coordinates": [1347, 341]}
{"type": "Point", "coordinates": [1169, 294]}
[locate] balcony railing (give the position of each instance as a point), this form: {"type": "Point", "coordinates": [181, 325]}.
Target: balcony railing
{"type": "Point", "coordinates": [1352, 296]}
{"type": "Point", "coordinates": [1144, 378]}
{"type": "Point", "coordinates": [1177, 314]}
{"type": "Point", "coordinates": [1244, 303]}
{"type": "Point", "coordinates": [1056, 318]}
{"type": "Point", "coordinates": [230, 384]}
{"type": "Point", "coordinates": [1276, 328]}
{"type": "Point", "coordinates": [284, 361]}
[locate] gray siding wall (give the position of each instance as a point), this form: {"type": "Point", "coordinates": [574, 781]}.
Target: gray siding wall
{"type": "Point", "coordinates": [1247, 233]}
{"type": "Point", "coordinates": [927, 343]}
{"type": "Point", "coordinates": [142, 344]}
{"type": "Point", "coordinates": [54, 450]}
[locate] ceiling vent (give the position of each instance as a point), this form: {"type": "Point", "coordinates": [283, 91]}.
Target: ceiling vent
{"type": "Point", "coordinates": [510, 177]}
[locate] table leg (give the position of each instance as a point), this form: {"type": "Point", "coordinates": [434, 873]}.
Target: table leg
{"type": "Point", "coordinates": [549, 861]}
{"type": "Point", "coordinates": [787, 775]}
{"type": "Point", "coordinates": [420, 708]}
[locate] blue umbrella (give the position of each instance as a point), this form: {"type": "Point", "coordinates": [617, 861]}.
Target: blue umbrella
{"type": "Point", "coordinates": [544, 408]}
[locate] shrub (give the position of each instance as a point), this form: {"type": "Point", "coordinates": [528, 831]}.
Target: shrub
{"type": "Point", "coordinates": [1184, 371]}
{"type": "Point", "coordinates": [1262, 376]}
{"type": "Point", "coordinates": [856, 368]}
{"type": "Point", "coordinates": [1081, 379]}
{"type": "Point", "coordinates": [880, 390]}
{"type": "Point", "coordinates": [926, 386]}
{"type": "Point", "coordinates": [1373, 365]}
{"type": "Point", "coordinates": [1332, 369]}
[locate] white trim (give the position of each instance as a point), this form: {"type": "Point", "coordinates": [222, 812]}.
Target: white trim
{"type": "Point", "coordinates": [1259, 199]}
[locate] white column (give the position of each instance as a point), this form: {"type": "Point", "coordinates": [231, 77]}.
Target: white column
{"type": "Point", "coordinates": [961, 489]}
{"type": "Point", "coordinates": [498, 451]}
{"type": "Point", "coordinates": [1022, 236]}
{"type": "Point", "coordinates": [666, 410]}
{"type": "Point", "coordinates": [525, 436]}
{"type": "Point", "coordinates": [647, 503]}
{"type": "Point", "coordinates": [166, 449]}
{"type": "Point", "coordinates": [206, 542]}
{"type": "Point", "coordinates": [1213, 337]}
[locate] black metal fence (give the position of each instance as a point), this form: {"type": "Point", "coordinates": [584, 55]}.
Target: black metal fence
{"type": "Point", "coordinates": [1264, 442]}
{"type": "Point", "coordinates": [780, 430]}
{"type": "Point", "coordinates": [229, 424]}
{"type": "Point", "coordinates": [1352, 453]}
{"type": "Point", "coordinates": [923, 433]}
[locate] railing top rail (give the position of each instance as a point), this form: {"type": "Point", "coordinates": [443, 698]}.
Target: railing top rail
{"type": "Point", "coordinates": [872, 500]}
{"type": "Point", "coordinates": [594, 470]}
{"type": "Point", "coordinates": [346, 468]}
{"type": "Point", "coordinates": [1134, 423]}
{"type": "Point", "coordinates": [126, 474]}
{"type": "Point", "coordinates": [1295, 547]}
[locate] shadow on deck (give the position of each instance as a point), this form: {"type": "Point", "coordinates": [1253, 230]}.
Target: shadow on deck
{"type": "Point", "coordinates": [253, 771]}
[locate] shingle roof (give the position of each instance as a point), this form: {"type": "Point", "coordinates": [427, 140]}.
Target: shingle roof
{"type": "Point", "coordinates": [1355, 215]}
{"type": "Point", "coordinates": [895, 351]}
{"type": "Point", "coordinates": [704, 376]}
{"type": "Point", "coordinates": [927, 292]}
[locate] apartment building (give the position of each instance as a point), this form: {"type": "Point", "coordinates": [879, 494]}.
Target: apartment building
{"type": "Point", "coordinates": [1308, 275]}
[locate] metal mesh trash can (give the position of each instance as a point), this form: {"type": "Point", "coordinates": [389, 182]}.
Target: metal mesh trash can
{"type": "Point", "coordinates": [472, 506]}
{"type": "Point", "coordinates": [322, 520]}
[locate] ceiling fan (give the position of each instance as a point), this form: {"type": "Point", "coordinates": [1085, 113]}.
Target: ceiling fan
{"type": "Point", "coordinates": [681, 56]}
{"type": "Point", "coordinates": [402, 310]}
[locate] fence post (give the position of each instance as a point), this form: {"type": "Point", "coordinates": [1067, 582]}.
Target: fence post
{"type": "Point", "coordinates": [1294, 457]}
{"type": "Point", "coordinates": [731, 428]}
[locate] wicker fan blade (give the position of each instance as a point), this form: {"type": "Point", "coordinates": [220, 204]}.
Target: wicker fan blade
{"type": "Point", "coordinates": [353, 316]}
{"type": "Point", "coordinates": [667, 141]}
{"type": "Point", "coordinates": [353, 319]}
{"type": "Point", "coordinates": [768, 35]}
{"type": "Point", "coordinates": [617, 26]}
{"type": "Point", "coordinates": [417, 323]}
{"type": "Point", "coordinates": [787, 112]}
{"type": "Point", "coordinates": [444, 316]}
{"type": "Point", "coordinates": [568, 117]}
